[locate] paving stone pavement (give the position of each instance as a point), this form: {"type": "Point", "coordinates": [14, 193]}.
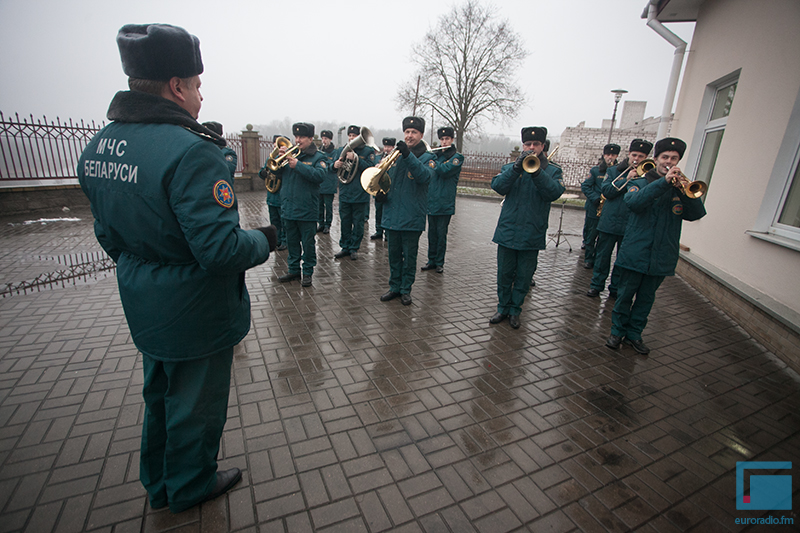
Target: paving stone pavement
{"type": "Point", "coordinates": [349, 414]}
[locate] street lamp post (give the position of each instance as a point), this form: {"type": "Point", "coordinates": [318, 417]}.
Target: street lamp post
{"type": "Point", "coordinates": [617, 97]}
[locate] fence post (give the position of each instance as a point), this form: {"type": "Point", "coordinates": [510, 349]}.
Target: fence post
{"type": "Point", "coordinates": [251, 163]}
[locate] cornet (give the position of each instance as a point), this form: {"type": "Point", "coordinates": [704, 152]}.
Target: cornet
{"type": "Point", "coordinates": [691, 189]}
{"type": "Point", "coordinates": [531, 163]}
{"type": "Point", "coordinates": [275, 161]}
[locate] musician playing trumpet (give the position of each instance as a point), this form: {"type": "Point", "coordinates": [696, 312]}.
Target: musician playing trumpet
{"type": "Point", "coordinates": [650, 247]}
{"type": "Point", "coordinates": [353, 199]}
{"type": "Point", "coordinates": [522, 227]}
{"type": "Point", "coordinates": [611, 225]}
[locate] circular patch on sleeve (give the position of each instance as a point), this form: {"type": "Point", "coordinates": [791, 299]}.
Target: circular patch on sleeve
{"type": "Point", "coordinates": [229, 158]}
{"type": "Point", "coordinates": [432, 163]}
{"type": "Point", "coordinates": [223, 194]}
{"type": "Point", "coordinates": [323, 164]}
{"type": "Point", "coordinates": [633, 188]}
{"type": "Point", "coordinates": [677, 209]}
{"type": "Point", "coordinates": [456, 161]}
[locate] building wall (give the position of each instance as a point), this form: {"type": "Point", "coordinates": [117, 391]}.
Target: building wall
{"type": "Point", "coordinates": [586, 144]}
{"type": "Point", "coordinates": [764, 44]}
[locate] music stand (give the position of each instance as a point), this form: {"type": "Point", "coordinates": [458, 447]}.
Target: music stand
{"type": "Point", "coordinates": [560, 235]}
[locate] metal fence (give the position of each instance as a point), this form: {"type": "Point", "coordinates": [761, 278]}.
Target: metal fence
{"type": "Point", "coordinates": [36, 149]}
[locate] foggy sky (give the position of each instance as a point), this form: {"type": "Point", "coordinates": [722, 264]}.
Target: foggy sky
{"type": "Point", "coordinates": [333, 61]}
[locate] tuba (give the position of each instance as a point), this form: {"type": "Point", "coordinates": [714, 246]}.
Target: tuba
{"type": "Point", "coordinates": [348, 170]}
{"type": "Point", "coordinates": [376, 179]}
{"type": "Point", "coordinates": [277, 161]}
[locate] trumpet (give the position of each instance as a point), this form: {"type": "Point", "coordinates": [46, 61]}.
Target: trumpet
{"type": "Point", "coordinates": [691, 189]}
{"type": "Point", "coordinates": [641, 169]}
{"type": "Point", "coordinates": [377, 179]}
{"type": "Point", "coordinates": [531, 163]}
{"type": "Point", "coordinates": [276, 161]}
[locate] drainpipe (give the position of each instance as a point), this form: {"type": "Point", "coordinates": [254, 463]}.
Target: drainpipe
{"type": "Point", "coordinates": [677, 62]}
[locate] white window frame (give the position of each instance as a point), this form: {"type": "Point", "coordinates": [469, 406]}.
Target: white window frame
{"type": "Point", "coordinates": [705, 125]}
{"type": "Point", "coordinates": [766, 225]}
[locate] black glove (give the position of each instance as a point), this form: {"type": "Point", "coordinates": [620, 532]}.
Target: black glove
{"type": "Point", "coordinates": [520, 158]}
{"type": "Point", "coordinates": [603, 166]}
{"type": "Point", "coordinates": [271, 233]}
{"type": "Point", "coordinates": [263, 173]}
{"type": "Point", "coordinates": [402, 147]}
{"type": "Point", "coordinates": [380, 196]}
{"type": "Point", "coordinates": [622, 167]}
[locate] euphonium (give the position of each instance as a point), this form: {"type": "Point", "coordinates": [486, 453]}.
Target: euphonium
{"type": "Point", "coordinates": [376, 179]}
{"type": "Point", "coordinates": [692, 189]}
{"type": "Point", "coordinates": [276, 161]}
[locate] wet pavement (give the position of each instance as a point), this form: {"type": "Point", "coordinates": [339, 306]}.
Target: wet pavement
{"type": "Point", "coordinates": [349, 414]}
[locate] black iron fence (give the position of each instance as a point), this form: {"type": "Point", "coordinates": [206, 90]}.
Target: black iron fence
{"type": "Point", "coordinates": [33, 149]}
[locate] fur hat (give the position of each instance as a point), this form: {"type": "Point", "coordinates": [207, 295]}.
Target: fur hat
{"type": "Point", "coordinates": [389, 141]}
{"type": "Point", "coordinates": [158, 52]}
{"type": "Point", "coordinates": [353, 129]}
{"type": "Point", "coordinates": [534, 133]}
{"type": "Point", "coordinates": [303, 129]}
{"type": "Point", "coordinates": [670, 144]}
{"type": "Point", "coordinates": [216, 127]}
{"type": "Point", "coordinates": [414, 122]}
{"type": "Point", "coordinates": [446, 131]}
{"type": "Point", "coordinates": [640, 145]}
{"type": "Point", "coordinates": [326, 133]}
{"type": "Point", "coordinates": [611, 149]}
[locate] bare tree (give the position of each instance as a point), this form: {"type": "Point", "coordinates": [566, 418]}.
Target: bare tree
{"type": "Point", "coordinates": [466, 69]}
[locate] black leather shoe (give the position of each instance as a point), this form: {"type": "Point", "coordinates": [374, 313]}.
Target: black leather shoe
{"type": "Point", "coordinates": [593, 293]}
{"type": "Point", "coordinates": [428, 266]}
{"type": "Point", "coordinates": [326, 230]}
{"type": "Point", "coordinates": [354, 255]}
{"type": "Point", "coordinates": [405, 299]}
{"type": "Point", "coordinates": [377, 235]}
{"type": "Point", "coordinates": [439, 269]}
{"type": "Point", "coordinates": [497, 318]}
{"type": "Point", "coordinates": [613, 341]}
{"type": "Point", "coordinates": [391, 295]}
{"type": "Point", "coordinates": [225, 482]}
{"type": "Point", "coordinates": [320, 228]}
{"type": "Point", "coordinates": [342, 253]}
{"type": "Point", "coordinates": [281, 247]}
{"type": "Point", "coordinates": [291, 276]}
{"type": "Point", "coordinates": [306, 281]}
{"type": "Point", "coordinates": [588, 265]}
{"type": "Point", "coordinates": [638, 345]}
{"type": "Point", "coordinates": [513, 321]}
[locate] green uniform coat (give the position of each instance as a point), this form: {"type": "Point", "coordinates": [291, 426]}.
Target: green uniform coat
{"type": "Point", "coordinates": [331, 183]}
{"type": "Point", "coordinates": [353, 192]}
{"type": "Point", "coordinates": [442, 188]}
{"type": "Point", "coordinates": [407, 200]}
{"type": "Point", "coordinates": [615, 211]}
{"type": "Point", "coordinates": [300, 185]}
{"type": "Point", "coordinates": [526, 208]}
{"type": "Point", "coordinates": [652, 238]}
{"type": "Point", "coordinates": [165, 211]}
{"type": "Point", "coordinates": [591, 190]}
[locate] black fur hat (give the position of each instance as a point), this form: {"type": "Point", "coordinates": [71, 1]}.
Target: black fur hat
{"type": "Point", "coordinates": [216, 127]}
{"type": "Point", "coordinates": [414, 122]}
{"type": "Point", "coordinates": [353, 129]}
{"type": "Point", "coordinates": [446, 131]}
{"type": "Point", "coordinates": [670, 144]}
{"type": "Point", "coordinates": [640, 145]}
{"type": "Point", "coordinates": [303, 129]}
{"type": "Point", "coordinates": [158, 52]}
{"type": "Point", "coordinates": [611, 149]}
{"type": "Point", "coordinates": [389, 141]}
{"type": "Point", "coordinates": [534, 133]}
{"type": "Point", "coordinates": [326, 133]}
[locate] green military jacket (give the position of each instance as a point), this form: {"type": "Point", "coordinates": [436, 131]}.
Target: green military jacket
{"type": "Point", "coordinates": [331, 183]}
{"type": "Point", "coordinates": [353, 192]}
{"type": "Point", "coordinates": [444, 185]}
{"type": "Point", "coordinates": [525, 213]}
{"type": "Point", "coordinates": [166, 213]}
{"type": "Point", "coordinates": [300, 185]}
{"type": "Point", "coordinates": [614, 218]}
{"type": "Point", "coordinates": [591, 190]}
{"type": "Point", "coordinates": [407, 200]}
{"type": "Point", "coordinates": [652, 238]}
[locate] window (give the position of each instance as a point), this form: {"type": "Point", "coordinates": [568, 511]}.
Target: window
{"type": "Point", "coordinates": [778, 219]}
{"type": "Point", "coordinates": [714, 129]}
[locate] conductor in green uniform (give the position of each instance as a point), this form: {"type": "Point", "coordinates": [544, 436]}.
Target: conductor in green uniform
{"type": "Point", "coordinates": [328, 188]}
{"type": "Point", "coordinates": [650, 248]}
{"type": "Point", "coordinates": [388, 145]}
{"type": "Point", "coordinates": [227, 152]}
{"type": "Point", "coordinates": [301, 177]}
{"type": "Point", "coordinates": [166, 213]}
{"type": "Point", "coordinates": [353, 199]}
{"type": "Point", "coordinates": [591, 190]}
{"type": "Point", "coordinates": [522, 226]}
{"type": "Point", "coordinates": [405, 207]}
{"type": "Point", "coordinates": [614, 218]}
{"type": "Point", "coordinates": [442, 198]}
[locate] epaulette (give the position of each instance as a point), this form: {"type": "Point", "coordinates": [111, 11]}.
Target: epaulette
{"type": "Point", "coordinates": [555, 165]}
